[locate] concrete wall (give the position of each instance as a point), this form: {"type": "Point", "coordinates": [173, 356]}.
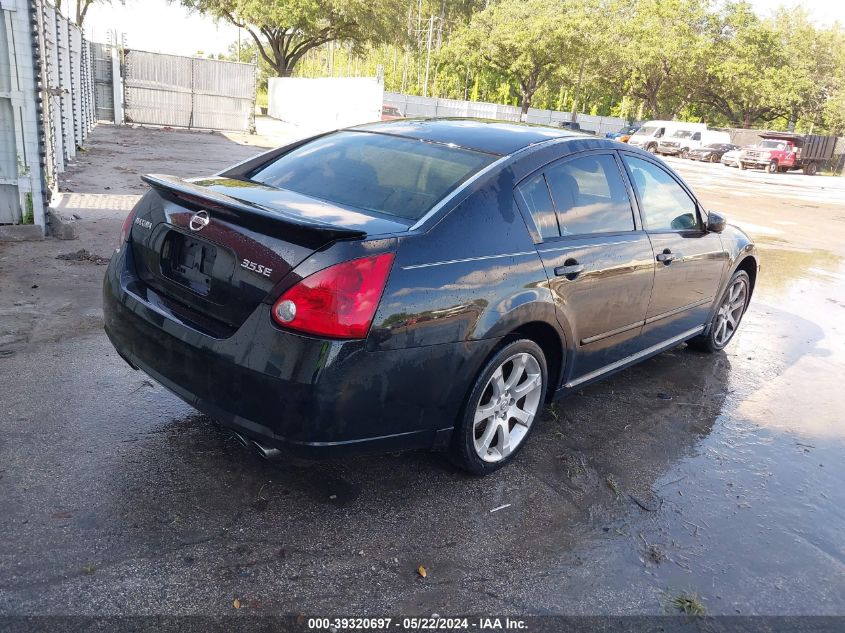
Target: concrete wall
{"type": "Point", "coordinates": [324, 104]}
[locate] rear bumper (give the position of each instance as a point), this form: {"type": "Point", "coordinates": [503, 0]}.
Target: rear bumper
{"type": "Point", "coordinates": [307, 395]}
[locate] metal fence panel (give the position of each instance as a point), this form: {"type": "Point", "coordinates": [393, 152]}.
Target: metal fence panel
{"type": "Point", "coordinates": [103, 82]}
{"type": "Point", "coordinates": [46, 105]}
{"type": "Point", "coordinates": [188, 91]}
{"type": "Point", "coordinates": [412, 106]}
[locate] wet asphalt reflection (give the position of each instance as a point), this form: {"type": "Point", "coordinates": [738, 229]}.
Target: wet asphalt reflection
{"type": "Point", "coordinates": [719, 475]}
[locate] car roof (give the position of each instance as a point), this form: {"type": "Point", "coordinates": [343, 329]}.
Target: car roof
{"type": "Point", "coordinates": [493, 137]}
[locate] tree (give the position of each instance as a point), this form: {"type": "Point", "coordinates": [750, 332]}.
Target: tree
{"type": "Point", "coordinates": [815, 58]}
{"type": "Point", "coordinates": [82, 7]}
{"type": "Point", "coordinates": [749, 78]}
{"type": "Point", "coordinates": [660, 47]}
{"type": "Point", "coordinates": [284, 30]}
{"type": "Point", "coordinates": [527, 41]}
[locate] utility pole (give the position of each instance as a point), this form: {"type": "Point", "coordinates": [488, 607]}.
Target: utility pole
{"type": "Point", "coordinates": [428, 55]}
{"type": "Point", "coordinates": [577, 92]}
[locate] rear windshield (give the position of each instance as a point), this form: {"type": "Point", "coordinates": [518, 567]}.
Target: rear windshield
{"type": "Point", "coordinates": [375, 172]}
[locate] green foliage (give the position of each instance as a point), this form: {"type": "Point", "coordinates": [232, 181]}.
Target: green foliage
{"type": "Point", "coordinates": [285, 30]}
{"type": "Point", "coordinates": [528, 42]}
{"type": "Point", "coordinates": [697, 60]}
{"type": "Point", "coordinates": [29, 211]}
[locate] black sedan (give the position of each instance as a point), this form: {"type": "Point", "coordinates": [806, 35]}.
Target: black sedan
{"type": "Point", "coordinates": [417, 284]}
{"type": "Point", "coordinates": [711, 153]}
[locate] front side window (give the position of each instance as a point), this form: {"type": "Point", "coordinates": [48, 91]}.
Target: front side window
{"type": "Point", "coordinates": [646, 131]}
{"type": "Point", "coordinates": [590, 196]}
{"type": "Point", "coordinates": [535, 197]}
{"type": "Point", "coordinates": [665, 205]}
{"type": "Point", "coordinates": [374, 172]}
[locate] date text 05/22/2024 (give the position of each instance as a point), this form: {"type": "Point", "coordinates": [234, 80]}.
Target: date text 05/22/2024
{"type": "Point", "coordinates": [434, 623]}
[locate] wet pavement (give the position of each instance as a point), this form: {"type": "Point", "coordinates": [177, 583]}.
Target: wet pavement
{"type": "Point", "coordinates": [713, 475]}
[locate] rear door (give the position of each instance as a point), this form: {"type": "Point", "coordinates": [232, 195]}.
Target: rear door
{"type": "Point", "coordinates": [689, 261]}
{"type": "Point", "coordinates": [597, 258]}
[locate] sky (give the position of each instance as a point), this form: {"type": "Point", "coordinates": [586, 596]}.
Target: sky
{"type": "Point", "coordinates": [824, 12]}
{"type": "Point", "coordinates": [160, 26]}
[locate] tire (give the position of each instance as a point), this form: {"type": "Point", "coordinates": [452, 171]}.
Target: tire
{"type": "Point", "coordinates": [742, 165]}
{"type": "Point", "coordinates": [773, 167]}
{"type": "Point", "coordinates": [810, 169]}
{"type": "Point", "coordinates": [684, 153]}
{"type": "Point", "coordinates": [716, 338]}
{"type": "Point", "coordinates": [652, 149]}
{"type": "Point", "coordinates": [483, 446]}
{"type": "Point", "coordinates": [714, 158]}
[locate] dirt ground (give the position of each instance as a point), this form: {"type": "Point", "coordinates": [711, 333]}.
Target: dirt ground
{"type": "Point", "coordinates": [718, 477]}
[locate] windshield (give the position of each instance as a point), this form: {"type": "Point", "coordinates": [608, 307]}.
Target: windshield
{"type": "Point", "coordinates": [773, 144]}
{"type": "Point", "coordinates": [645, 131]}
{"type": "Point", "coordinates": [375, 172]}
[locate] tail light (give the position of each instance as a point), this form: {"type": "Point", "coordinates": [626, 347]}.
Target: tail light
{"type": "Point", "coordinates": [336, 302]}
{"type": "Point", "coordinates": [127, 227]}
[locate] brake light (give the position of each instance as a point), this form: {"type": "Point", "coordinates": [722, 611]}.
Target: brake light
{"type": "Point", "coordinates": [127, 228]}
{"type": "Point", "coordinates": [336, 302]}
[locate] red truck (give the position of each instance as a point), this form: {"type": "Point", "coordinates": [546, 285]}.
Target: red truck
{"type": "Point", "coordinates": [784, 151]}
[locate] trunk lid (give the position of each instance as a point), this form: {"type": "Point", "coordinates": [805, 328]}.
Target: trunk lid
{"type": "Point", "coordinates": [211, 250]}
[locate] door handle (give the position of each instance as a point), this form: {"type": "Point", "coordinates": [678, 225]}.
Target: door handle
{"type": "Point", "coordinates": [667, 257]}
{"type": "Point", "coordinates": [570, 269]}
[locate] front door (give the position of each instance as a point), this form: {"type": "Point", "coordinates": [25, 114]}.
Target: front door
{"type": "Point", "coordinates": [689, 260]}
{"type": "Point", "coordinates": [598, 260]}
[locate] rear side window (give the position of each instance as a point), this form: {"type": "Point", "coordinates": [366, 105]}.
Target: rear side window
{"type": "Point", "coordinates": [375, 172]}
{"type": "Point", "coordinates": [665, 205]}
{"type": "Point", "coordinates": [535, 196]}
{"type": "Point", "coordinates": [590, 196]}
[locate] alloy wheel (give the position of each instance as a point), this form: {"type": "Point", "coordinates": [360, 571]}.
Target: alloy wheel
{"type": "Point", "coordinates": [507, 407]}
{"type": "Point", "coordinates": [730, 312]}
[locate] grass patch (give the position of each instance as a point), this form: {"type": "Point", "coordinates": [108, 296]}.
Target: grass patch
{"type": "Point", "coordinates": [29, 211]}
{"type": "Point", "coordinates": [688, 603]}
{"type": "Point", "coordinates": [611, 482]}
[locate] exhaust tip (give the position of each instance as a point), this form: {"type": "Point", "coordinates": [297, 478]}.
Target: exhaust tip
{"type": "Point", "coordinates": [266, 452]}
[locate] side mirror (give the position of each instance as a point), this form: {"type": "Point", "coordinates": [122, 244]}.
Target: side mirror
{"type": "Point", "coordinates": [715, 222]}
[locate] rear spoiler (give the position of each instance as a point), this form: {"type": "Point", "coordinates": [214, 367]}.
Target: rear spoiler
{"type": "Point", "coordinates": [274, 221]}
